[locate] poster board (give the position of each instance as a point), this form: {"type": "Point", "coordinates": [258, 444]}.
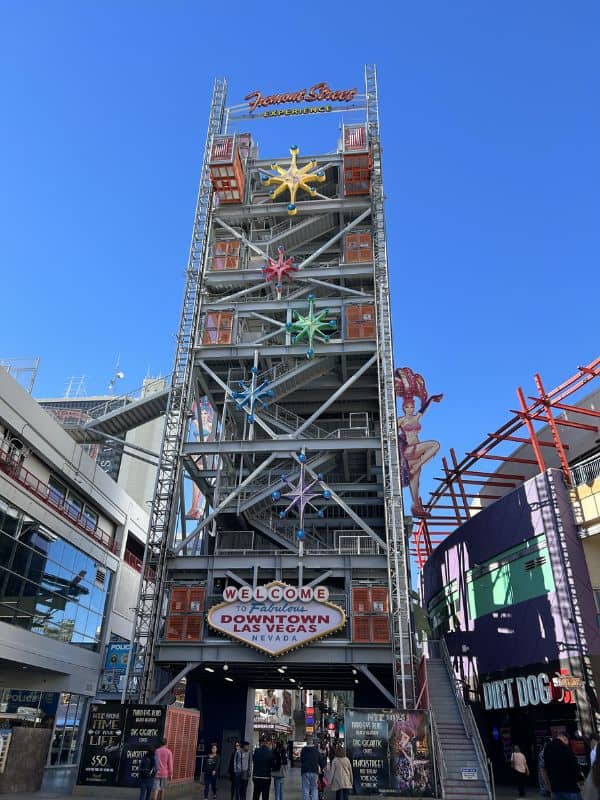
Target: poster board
{"type": "Point", "coordinates": [390, 751]}
{"type": "Point", "coordinates": [115, 741]}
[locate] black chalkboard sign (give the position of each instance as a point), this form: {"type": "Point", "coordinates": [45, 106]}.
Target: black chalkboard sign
{"type": "Point", "coordinates": [116, 739]}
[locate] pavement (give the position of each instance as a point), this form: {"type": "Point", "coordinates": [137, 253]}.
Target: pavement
{"type": "Point", "coordinates": [291, 792]}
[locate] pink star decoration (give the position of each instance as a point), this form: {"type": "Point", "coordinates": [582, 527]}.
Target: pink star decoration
{"type": "Point", "coordinates": [280, 268]}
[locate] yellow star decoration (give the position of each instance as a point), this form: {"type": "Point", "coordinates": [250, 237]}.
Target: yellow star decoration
{"type": "Point", "coordinates": [293, 178]}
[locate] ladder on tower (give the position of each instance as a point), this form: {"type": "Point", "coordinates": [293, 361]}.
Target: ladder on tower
{"type": "Point", "coordinates": [397, 558]}
{"type": "Point", "coordinates": [140, 677]}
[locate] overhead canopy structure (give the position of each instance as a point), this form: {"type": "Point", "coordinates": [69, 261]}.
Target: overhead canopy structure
{"type": "Point", "coordinates": [548, 430]}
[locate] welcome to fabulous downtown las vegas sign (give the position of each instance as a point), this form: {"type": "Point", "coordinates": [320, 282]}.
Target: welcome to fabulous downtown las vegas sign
{"type": "Point", "coordinates": [277, 617]}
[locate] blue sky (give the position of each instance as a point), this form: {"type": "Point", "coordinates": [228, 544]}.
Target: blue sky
{"type": "Point", "coordinates": [490, 125]}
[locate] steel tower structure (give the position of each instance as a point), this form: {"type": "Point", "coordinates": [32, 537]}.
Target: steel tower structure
{"type": "Point", "coordinates": [286, 337]}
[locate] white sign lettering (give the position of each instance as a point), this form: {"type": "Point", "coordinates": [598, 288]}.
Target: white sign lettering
{"type": "Point", "coordinates": [521, 691]}
{"type": "Point", "coordinates": [276, 618]}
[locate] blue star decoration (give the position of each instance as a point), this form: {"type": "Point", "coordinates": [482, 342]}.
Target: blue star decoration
{"type": "Point", "coordinates": [311, 326]}
{"type": "Point", "coordinates": [300, 496]}
{"type": "Point", "coordinates": [249, 396]}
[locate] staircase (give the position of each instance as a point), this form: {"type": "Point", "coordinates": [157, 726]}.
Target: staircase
{"type": "Point", "coordinates": [455, 734]}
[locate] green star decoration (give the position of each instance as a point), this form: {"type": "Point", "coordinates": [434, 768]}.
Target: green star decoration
{"type": "Point", "coordinates": [311, 327]}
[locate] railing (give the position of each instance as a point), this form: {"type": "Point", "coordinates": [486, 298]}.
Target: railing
{"type": "Point", "coordinates": [586, 473]}
{"type": "Point", "coordinates": [357, 545]}
{"type": "Point", "coordinates": [469, 723]}
{"type": "Point", "coordinates": [10, 464]}
{"type": "Point", "coordinates": [439, 760]}
{"type": "Point", "coordinates": [133, 561]}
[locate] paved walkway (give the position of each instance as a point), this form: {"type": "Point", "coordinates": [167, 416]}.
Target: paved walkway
{"type": "Point", "coordinates": [291, 792]}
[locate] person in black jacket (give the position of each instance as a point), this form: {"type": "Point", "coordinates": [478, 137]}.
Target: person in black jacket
{"type": "Point", "coordinates": [311, 766]}
{"type": "Point", "coordinates": [262, 764]}
{"type": "Point", "coordinates": [211, 772]}
{"type": "Point", "coordinates": [561, 769]}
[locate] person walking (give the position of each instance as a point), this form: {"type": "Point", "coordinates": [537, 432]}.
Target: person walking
{"type": "Point", "coordinates": [212, 763]}
{"type": "Point", "coordinates": [262, 765]}
{"type": "Point", "coordinates": [591, 787]}
{"type": "Point", "coordinates": [148, 774]}
{"type": "Point", "coordinates": [164, 770]}
{"type": "Point", "coordinates": [279, 770]}
{"type": "Point", "coordinates": [518, 762]}
{"type": "Point", "coordinates": [239, 770]}
{"type": "Point", "coordinates": [340, 774]}
{"type": "Point", "coordinates": [311, 765]}
{"type": "Point", "coordinates": [561, 770]}
{"type": "Point", "coordinates": [237, 748]}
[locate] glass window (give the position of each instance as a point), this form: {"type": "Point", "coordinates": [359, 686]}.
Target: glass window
{"type": "Point", "coordinates": [56, 491]}
{"type": "Point", "coordinates": [89, 518]}
{"type": "Point", "coordinates": [67, 729]}
{"type": "Point", "coordinates": [47, 585]}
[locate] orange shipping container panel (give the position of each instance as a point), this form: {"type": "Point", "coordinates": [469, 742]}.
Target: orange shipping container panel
{"type": "Point", "coordinates": [218, 327]}
{"type": "Point", "coordinates": [222, 149]}
{"type": "Point", "coordinates": [179, 600]}
{"type": "Point", "coordinates": [379, 600]}
{"type": "Point", "coordinates": [361, 629]}
{"type": "Point", "coordinates": [183, 627]}
{"type": "Point", "coordinates": [175, 627]}
{"type": "Point", "coordinates": [355, 138]}
{"type": "Point", "coordinates": [358, 248]}
{"type": "Point", "coordinates": [361, 600]}
{"type": "Point", "coordinates": [226, 255]}
{"type": "Point", "coordinates": [181, 731]}
{"type": "Point", "coordinates": [380, 629]}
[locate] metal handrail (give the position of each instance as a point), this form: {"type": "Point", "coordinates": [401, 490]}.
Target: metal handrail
{"type": "Point", "coordinates": [586, 473]}
{"type": "Point", "coordinates": [439, 758]}
{"type": "Point", "coordinates": [468, 721]}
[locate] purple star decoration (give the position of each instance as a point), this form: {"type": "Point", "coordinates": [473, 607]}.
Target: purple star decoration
{"type": "Point", "coordinates": [300, 496]}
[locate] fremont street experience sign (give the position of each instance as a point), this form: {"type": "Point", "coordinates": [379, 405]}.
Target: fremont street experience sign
{"type": "Point", "coordinates": [276, 618]}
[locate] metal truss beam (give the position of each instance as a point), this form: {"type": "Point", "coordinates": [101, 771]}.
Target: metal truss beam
{"type": "Point", "coordinates": [336, 395]}
{"type": "Point", "coordinates": [334, 239]}
{"type": "Point", "coordinates": [223, 504]}
{"type": "Point", "coordinates": [280, 445]}
{"type": "Point", "coordinates": [353, 515]}
{"type": "Point", "coordinates": [174, 681]}
{"type": "Point", "coordinates": [303, 208]}
{"type": "Point", "coordinates": [229, 393]}
{"type": "Point", "coordinates": [139, 679]}
{"type": "Point", "coordinates": [245, 350]}
{"type": "Point", "coordinates": [377, 683]}
{"type": "Point", "coordinates": [363, 269]}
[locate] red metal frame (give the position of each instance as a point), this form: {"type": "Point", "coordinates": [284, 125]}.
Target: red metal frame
{"type": "Point", "coordinates": [469, 471]}
{"type": "Point", "coordinates": [10, 465]}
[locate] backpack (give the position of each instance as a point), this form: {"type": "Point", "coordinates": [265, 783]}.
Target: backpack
{"type": "Point", "coordinates": [147, 768]}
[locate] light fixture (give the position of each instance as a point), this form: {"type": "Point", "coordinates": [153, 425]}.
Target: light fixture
{"type": "Point", "coordinates": [229, 679]}
{"type": "Point", "coordinates": [355, 680]}
{"type": "Point", "coordinates": [225, 667]}
{"type": "Point", "coordinates": [292, 680]}
{"type": "Point", "coordinates": [354, 672]}
{"type": "Point", "coordinates": [209, 669]}
{"type": "Point", "coordinates": [281, 669]}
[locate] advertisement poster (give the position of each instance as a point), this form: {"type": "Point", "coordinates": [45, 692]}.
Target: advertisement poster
{"type": "Point", "coordinates": [390, 752]}
{"type": "Point", "coordinates": [116, 739]}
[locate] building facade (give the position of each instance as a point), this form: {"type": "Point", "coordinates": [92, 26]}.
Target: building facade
{"type": "Point", "coordinates": [286, 336]}
{"type": "Point", "coordinates": [69, 577]}
{"type": "Point", "coordinates": [513, 593]}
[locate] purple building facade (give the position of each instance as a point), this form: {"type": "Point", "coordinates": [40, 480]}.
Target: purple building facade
{"type": "Point", "coordinates": [510, 593]}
